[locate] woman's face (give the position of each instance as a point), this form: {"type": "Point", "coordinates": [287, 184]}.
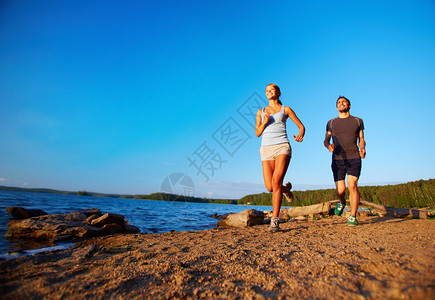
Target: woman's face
{"type": "Point", "coordinates": [272, 92]}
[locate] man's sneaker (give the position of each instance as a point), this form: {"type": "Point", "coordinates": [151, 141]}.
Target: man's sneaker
{"type": "Point", "coordinates": [339, 209]}
{"type": "Point", "coordinates": [288, 195]}
{"type": "Point", "coordinates": [274, 225]}
{"type": "Point", "coordinates": [351, 221]}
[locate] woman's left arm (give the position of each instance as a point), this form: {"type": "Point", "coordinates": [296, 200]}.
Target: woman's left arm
{"type": "Point", "coordinates": [291, 114]}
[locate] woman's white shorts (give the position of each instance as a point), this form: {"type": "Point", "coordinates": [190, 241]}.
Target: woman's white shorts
{"type": "Point", "coordinates": [270, 152]}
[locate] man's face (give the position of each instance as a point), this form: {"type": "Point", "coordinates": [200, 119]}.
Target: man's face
{"type": "Point", "coordinates": [343, 105]}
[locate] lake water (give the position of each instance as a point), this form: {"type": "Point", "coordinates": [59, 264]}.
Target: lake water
{"type": "Point", "coordinates": [148, 215]}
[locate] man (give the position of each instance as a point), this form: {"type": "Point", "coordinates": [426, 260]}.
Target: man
{"type": "Point", "coordinates": [346, 130]}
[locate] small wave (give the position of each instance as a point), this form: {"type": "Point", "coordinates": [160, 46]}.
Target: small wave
{"type": "Point", "coordinates": [13, 254]}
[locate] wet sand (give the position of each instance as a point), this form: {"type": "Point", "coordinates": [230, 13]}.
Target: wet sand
{"type": "Point", "coordinates": [383, 258]}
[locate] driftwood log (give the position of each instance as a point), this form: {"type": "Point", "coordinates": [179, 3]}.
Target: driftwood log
{"type": "Point", "coordinates": [311, 210]}
{"type": "Point", "coordinates": [248, 217]}
{"type": "Point", "coordinates": [396, 212]}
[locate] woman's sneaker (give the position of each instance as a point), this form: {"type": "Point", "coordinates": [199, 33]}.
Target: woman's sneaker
{"type": "Point", "coordinates": [288, 195]}
{"type": "Point", "coordinates": [351, 221]}
{"type": "Point", "coordinates": [274, 225]}
{"type": "Point", "coordinates": [339, 209]}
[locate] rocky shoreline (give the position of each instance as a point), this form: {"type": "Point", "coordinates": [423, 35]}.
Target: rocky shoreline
{"type": "Point", "coordinates": [384, 257]}
{"type": "Point", "coordinates": [38, 225]}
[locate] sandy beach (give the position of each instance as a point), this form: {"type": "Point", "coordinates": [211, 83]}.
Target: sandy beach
{"type": "Point", "coordinates": [383, 258]}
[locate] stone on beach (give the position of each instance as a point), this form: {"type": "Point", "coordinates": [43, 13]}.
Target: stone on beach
{"type": "Point", "coordinates": [73, 225]}
{"type": "Point", "coordinates": [108, 219]}
{"type": "Point", "coordinates": [51, 226]}
{"type": "Point", "coordinates": [220, 217]}
{"type": "Point", "coordinates": [91, 211]}
{"type": "Point", "coordinates": [249, 217]}
{"type": "Point", "coordinates": [19, 213]}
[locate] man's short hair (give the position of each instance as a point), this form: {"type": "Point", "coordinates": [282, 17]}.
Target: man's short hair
{"type": "Point", "coordinates": [342, 97]}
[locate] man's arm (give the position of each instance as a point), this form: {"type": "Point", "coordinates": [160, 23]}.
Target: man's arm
{"type": "Point", "coordinates": [362, 144]}
{"type": "Point", "coordinates": [330, 147]}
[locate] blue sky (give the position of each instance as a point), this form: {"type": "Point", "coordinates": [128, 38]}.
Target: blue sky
{"type": "Point", "coordinates": [115, 96]}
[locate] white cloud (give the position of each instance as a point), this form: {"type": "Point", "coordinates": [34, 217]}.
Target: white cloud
{"type": "Point", "coordinates": [3, 179]}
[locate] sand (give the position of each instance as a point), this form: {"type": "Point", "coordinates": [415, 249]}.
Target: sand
{"type": "Point", "coordinates": [383, 258]}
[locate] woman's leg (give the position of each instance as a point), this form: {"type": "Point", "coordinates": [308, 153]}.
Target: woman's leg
{"type": "Point", "coordinates": [281, 164]}
{"type": "Point", "coordinates": [268, 168]}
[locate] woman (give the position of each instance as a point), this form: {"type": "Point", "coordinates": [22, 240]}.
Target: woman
{"type": "Point", "coordinates": [275, 148]}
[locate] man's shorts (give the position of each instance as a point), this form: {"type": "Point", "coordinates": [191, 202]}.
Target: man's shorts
{"type": "Point", "coordinates": [270, 152]}
{"type": "Point", "coordinates": [348, 166]}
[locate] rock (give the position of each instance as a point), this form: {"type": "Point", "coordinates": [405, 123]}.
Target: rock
{"type": "Point", "coordinates": [112, 229]}
{"type": "Point", "coordinates": [67, 226]}
{"type": "Point", "coordinates": [220, 217]}
{"type": "Point", "coordinates": [108, 219]}
{"type": "Point", "coordinates": [244, 218]}
{"type": "Point", "coordinates": [91, 218]}
{"type": "Point", "coordinates": [315, 216]}
{"type": "Point", "coordinates": [51, 226]}
{"type": "Point", "coordinates": [91, 211]}
{"type": "Point", "coordinates": [363, 213]}
{"type": "Point", "coordinates": [75, 216]}
{"type": "Point", "coordinates": [130, 228]}
{"type": "Point", "coordinates": [20, 213]}
{"type": "Point", "coordinates": [85, 252]}
{"type": "Point", "coordinates": [61, 238]}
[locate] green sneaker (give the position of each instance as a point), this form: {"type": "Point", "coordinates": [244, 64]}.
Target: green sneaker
{"type": "Point", "coordinates": [351, 221]}
{"type": "Point", "coordinates": [339, 209]}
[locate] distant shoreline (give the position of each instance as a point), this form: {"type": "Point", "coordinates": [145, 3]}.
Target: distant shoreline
{"type": "Point", "coordinates": [413, 194]}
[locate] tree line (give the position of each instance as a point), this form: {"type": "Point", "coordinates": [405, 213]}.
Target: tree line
{"type": "Point", "coordinates": [416, 194]}
{"type": "Point", "coordinates": [180, 198]}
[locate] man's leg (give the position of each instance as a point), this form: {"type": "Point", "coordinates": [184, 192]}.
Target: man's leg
{"type": "Point", "coordinates": [352, 183]}
{"type": "Point", "coordinates": [339, 172]}
{"type": "Point", "coordinates": [340, 189]}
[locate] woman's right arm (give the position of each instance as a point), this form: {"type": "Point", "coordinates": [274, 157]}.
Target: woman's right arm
{"type": "Point", "coordinates": [259, 126]}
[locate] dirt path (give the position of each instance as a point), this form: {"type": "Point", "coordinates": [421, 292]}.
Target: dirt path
{"type": "Point", "coordinates": [383, 258]}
